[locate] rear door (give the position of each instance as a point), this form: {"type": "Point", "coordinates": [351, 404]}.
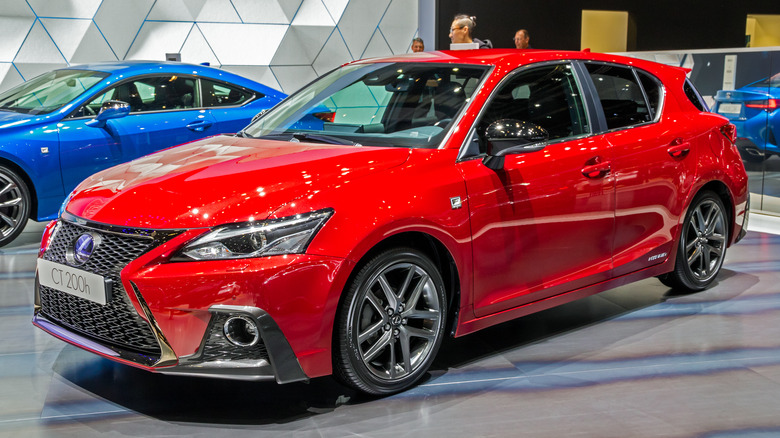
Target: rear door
{"type": "Point", "coordinates": [653, 163]}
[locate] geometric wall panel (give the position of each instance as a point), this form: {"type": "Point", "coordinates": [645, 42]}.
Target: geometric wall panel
{"type": "Point", "coordinates": [267, 11]}
{"type": "Point", "coordinates": [377, 47]}
{"type": "Point", "coordinates": [336, 8]}
{"type": "Point", "coordinates": [331, 55]}
{"type": "Point", "coordinates": [10, 77]}
{"type": "Point", "coordinates": [65, 8]}
{"type": "Point", "coordinates": [156, 38]}
{"type": "Point", "coordinates": [358, 24]}
{"type": "Point", "coordinates": [13, 31]}
{"type": "Point", "coordinates": [396, 27]}
{"type": "Point", "coordinates": [282, 43]}
{"type": "Point", "coordinates": [38, 53]}
{"type": "Point", "coordinates": [119, 22]}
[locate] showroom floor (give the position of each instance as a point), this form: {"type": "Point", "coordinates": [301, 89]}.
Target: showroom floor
{"type": "Point", "coordinates": [637, 361]}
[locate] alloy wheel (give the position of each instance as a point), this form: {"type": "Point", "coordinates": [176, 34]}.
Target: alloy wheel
{"type": "Point", "coordinates": [705, 240]}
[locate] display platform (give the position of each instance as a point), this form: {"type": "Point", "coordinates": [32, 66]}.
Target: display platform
{"type": "Point", "coordinates": [635, 361]}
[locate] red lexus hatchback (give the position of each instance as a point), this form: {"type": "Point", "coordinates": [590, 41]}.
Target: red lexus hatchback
{"type": "Point", "coordinates": [389, 204]}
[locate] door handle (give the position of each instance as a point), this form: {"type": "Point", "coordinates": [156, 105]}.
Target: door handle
{"type": "Point", "coordinates": [598, 170]}
{"type": "Point", "coordinates": [679, 148]}
{"type": "Point", "coordinates": [199, 125]}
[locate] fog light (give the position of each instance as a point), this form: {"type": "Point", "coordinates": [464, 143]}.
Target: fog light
{"type": "Point", "coordinates": [241, 331]}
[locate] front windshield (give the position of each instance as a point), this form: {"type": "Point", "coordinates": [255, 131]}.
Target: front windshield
{"type": "Point", "coordinates": [387, 104]}
{"type": "Point", "coordinates": [49, 92]}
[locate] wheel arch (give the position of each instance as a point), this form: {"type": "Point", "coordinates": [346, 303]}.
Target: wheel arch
{"type": "Point", "coordinates": [721, 190]}
{"type": "Point", "coordinates": [434, 249]}
{"type": "Point", "coordinates": [28, 181]}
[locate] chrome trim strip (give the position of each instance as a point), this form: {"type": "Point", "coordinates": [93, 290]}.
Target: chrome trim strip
{"type": "Point", "coordinates": [168, 356]}
{"type": "Point", "coordinates": [160, 235]}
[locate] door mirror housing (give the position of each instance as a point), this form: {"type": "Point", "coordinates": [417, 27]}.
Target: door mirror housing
{"type": "Point", "coordinates": [112, 109]}
{"type": "Point", "coordinates": [512, 136]}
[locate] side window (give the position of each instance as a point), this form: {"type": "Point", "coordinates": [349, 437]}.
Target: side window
{"type": "Point", "coordinates": [620, 95]}
{"type": "Point", "coordinates": [547, 96]}
{"type": "Point", "coordinates": [158, 93]}
{"type": "Point", "coordinates": [219, 94]}
{"type": "Point", "coordinates": [653, 90]}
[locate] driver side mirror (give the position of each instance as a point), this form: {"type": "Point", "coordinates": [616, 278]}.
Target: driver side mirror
{"type": "Point", "coordinates": [512, 136]}
{"type": "Point", "coordinates": [112, 109]}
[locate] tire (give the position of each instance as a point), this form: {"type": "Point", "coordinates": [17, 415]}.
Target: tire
{"type": "Point", "coordinates": [702, 245]}
{"type": "Point", "coordinates": [391, 323]}
{"type": "Point", "coordinates": [14, 205]}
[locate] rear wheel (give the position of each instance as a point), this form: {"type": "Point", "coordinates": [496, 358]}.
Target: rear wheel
{"type": "Point", "coordinates": [14, 205]}
{"type": "Point", "coordinates": [391, 323]}
{"type": "Point", "coordinates": [702, 245]}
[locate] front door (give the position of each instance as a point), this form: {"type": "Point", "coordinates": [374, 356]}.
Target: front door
{"type": "Point", "coordinates": [542, 225]}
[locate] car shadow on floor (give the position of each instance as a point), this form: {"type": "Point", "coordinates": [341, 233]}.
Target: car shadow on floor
{"type": "Point", "coordinates": [218, 401]}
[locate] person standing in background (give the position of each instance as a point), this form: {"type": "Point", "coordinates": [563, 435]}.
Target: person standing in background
{"type": "Point", "coordinates": [418, 45]}
{"type": "Point", "coordinates": [462, 29]}
{"type": "Point", "coordinates": [522, 39]}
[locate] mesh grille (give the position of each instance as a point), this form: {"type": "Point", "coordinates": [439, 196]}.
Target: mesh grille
{"type": "Point", "coordinates": [219, 348]}
{"type": "Point", "coordinates": [117, 323]}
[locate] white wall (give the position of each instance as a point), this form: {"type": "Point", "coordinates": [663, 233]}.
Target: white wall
{"type": "Point", "coordinates": [281, 43]}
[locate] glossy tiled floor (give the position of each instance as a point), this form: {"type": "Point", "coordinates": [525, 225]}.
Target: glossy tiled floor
{"type": "Point", "coordinates": [636, 361]}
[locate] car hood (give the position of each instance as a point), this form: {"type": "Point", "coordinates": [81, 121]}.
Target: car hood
{"type": "Point", "coordinates": [221, 180]}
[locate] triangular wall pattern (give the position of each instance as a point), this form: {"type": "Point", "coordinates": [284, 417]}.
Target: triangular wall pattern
{"type": "Point", "coordinates": [282, 43]}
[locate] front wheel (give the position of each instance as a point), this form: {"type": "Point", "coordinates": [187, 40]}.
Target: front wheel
{"type": "Point", "coordinates": [391, 323]}
{"type": "Point", "coordinates": [702, 245]}
{"type": "Point", "coordinates": [14, 205]}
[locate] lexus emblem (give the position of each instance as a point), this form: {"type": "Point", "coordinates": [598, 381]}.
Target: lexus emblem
{"type": "Point", "coordinates": [83, 248]}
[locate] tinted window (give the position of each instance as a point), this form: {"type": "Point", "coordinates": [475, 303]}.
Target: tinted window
{"type": "Point", "coordinates": [49, 92]}
{"type": "Point", "coordinates": [219, 94]}
{"type": "Point", "coordinates": [546, 96]}
{"type": "Point", "coordinates": [693, 96]}
{"type": "Point", "coordinates": [382, 104]}
{"type": "Point", "coordinates": [620, 95]}
{"type": "Point", "coordinates": [157, 93]}
{"type": "Point", "coordinates": [653, 91]}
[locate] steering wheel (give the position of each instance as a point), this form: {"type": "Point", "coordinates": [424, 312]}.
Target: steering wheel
{"type": "Point", "coordinates": [89, 110]}
{"type": "Point", "coordinates": [442, 123]}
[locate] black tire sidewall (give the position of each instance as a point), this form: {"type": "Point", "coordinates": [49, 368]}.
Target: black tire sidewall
{"type": "Point", "coordinates": [349, 365]}
{"type": "Point", "coordinates": [683, 276]}
{"type": "Point", "coordinates": [24, 205]}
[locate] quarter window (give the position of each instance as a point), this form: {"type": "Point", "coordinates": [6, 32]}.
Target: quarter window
{"type": "Point", "coordinates": [653, 91]}
{"type": "Point", "coordinates": [218, 94]}
{"type": "Point", "coordinates": [620, 95]}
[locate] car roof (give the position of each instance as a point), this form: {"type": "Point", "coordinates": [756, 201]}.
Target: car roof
{"type": "Point", "coordinates": [516, 57]}
{"type": "Point", "coordinates": [133, 68]}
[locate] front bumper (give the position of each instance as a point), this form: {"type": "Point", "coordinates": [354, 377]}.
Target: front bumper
{"type": "Point", "coordinates": [169, 317]}
{"type": "Point", "coordinates": [270, 359]}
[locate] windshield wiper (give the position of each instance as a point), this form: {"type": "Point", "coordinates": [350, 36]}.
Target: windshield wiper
{"type": "Point", "coordinates": [243, 134]}
{"type": "Point", "coordinates": [323, 138]}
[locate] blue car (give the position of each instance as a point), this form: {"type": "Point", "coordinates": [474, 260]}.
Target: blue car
{"type": "Point", "coordinates": [755, 110]}
{"type": "Point", "coordinates": [62, 126]}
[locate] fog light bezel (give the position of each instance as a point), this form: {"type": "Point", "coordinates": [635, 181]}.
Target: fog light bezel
{"type": "Point", "coordinates": [255, 331]}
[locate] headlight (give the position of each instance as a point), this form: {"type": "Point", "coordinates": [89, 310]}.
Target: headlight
{"type": "Point", "coordinates": [290, 235]}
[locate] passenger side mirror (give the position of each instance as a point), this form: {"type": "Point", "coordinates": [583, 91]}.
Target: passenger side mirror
{"type": "Point", "coordinates": [512, 136]}
{"type": "Point", "coordinates": [112, 109]}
